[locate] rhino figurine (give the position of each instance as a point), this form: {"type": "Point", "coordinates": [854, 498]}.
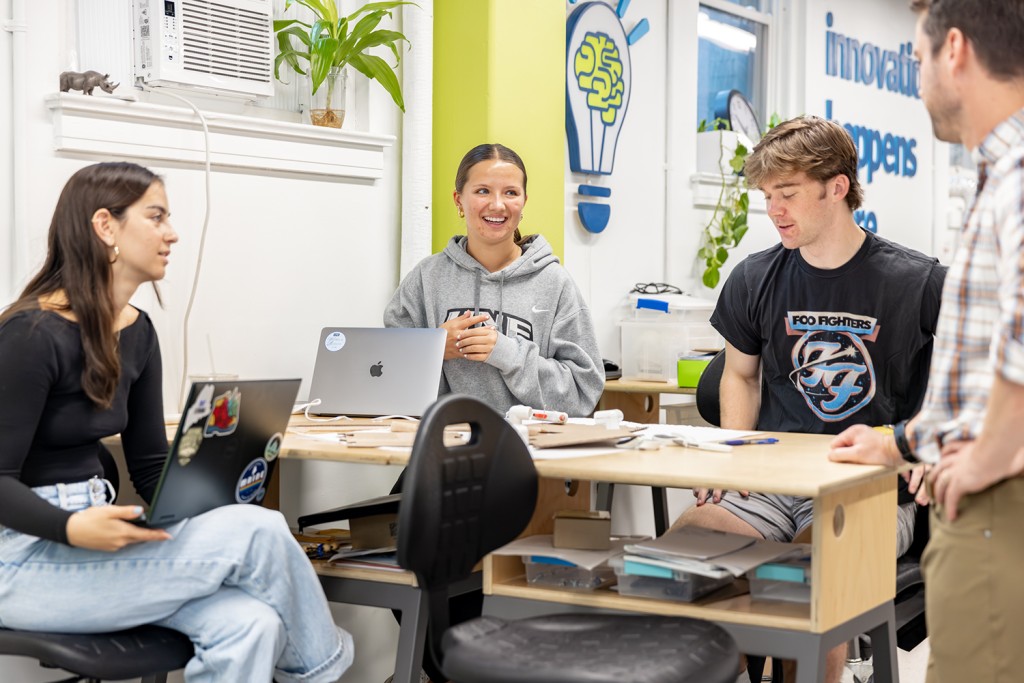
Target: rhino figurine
{"type": "Point", "coordinates": [86, 81]}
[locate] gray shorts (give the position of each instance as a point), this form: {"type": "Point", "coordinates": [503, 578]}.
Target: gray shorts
{"type": "Point", "coordinates": [782, 518]}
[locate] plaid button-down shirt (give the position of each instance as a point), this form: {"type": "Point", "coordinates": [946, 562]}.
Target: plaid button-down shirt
{"type": "Point", "coordinates": [981, 323]}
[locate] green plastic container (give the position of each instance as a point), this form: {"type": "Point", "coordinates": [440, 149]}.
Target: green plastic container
{"type": "Point", "coordinates": [690, 368]}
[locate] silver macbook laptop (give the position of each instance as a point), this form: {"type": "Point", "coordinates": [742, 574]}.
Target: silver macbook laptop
{"type": "Point", "coordinates": [377, 370]}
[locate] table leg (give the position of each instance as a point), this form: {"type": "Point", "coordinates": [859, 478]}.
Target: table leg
{"type": "Point", "coordinates": [411, 639]}
{"type": "Point", "coordinates": [883, 649]}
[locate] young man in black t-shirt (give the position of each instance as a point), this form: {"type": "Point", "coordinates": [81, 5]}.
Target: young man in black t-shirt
{"type": "Point", "coordinates": [830, 328]}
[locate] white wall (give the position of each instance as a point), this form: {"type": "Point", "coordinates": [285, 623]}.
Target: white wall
{"type": "Point", "coordinates": [285, 255]}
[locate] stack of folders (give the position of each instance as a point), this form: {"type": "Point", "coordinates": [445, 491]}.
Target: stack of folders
{"type": "Point", "coordinates": [700, 560]}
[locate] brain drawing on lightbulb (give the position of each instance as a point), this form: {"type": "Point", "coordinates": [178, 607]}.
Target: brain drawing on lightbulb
{"type": "Point", "coordinates": [599, 72]}
{"type": "Point", "coordinates": [598, 82]}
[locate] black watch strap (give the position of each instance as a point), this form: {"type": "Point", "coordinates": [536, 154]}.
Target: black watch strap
{"type": "Point", "coordinates": [899, 433]}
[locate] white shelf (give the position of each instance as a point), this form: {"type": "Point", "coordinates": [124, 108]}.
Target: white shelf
{"type": "Point", "coordinates": [707, 187]}
{"type": "Point", "coordinates": [111, 127]}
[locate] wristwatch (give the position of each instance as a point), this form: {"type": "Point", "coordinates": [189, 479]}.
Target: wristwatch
{"type": "Point", "coordinates": [899, 432]}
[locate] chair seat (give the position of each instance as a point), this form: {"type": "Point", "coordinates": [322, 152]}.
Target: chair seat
{"type": "Point", "coordinates": [908, 573]}
{"type": "Point", "coordinates": [133, 653]}
{"type": "Point", "coordinates": [590, 648]}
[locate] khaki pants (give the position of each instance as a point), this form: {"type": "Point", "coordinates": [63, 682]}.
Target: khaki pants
{"type": "Point", "coordinates": [974, 588]}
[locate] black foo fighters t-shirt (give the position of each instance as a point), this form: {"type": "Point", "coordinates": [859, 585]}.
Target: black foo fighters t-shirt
{"type": "Point", "coordinates": [838, 347]}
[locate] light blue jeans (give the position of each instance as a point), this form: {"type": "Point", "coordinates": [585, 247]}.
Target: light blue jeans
{"type": "Point", "coordinates": [233, 580]}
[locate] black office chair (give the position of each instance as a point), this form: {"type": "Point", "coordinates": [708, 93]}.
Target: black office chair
{"type": "Point", "coordinates": [146, 652]}
{"type": "Point", "coordinates": [462, 502]}
{"type": "Point", "coordinates": [909, 599]}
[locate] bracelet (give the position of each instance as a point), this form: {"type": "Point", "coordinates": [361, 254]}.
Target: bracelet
{"type": "Point", "coordinates": [899, 432]}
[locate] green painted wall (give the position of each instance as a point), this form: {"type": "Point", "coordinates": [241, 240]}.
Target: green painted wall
{"type": "Point", "coordinates": [499, 70]}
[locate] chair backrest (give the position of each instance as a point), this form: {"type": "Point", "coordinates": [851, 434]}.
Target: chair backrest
{"type": "Point", "coordinates": [461, 502]}
{"type": "Point", "coordinates": [708, 404]}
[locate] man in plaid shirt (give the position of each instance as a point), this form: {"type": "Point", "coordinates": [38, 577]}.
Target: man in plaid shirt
{"type": "Point", "coordinates": [971, 428]}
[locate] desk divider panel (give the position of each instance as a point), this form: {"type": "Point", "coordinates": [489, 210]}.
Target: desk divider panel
{"type": "Point", "coordinates": [855, 570]}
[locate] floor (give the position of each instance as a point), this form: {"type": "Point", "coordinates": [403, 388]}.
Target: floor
{"type": "Point", "coordinates": [912, 666]}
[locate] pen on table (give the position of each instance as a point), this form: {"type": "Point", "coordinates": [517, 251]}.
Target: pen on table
{"type": "Point", "coordinates": [749, 442]}
{"type": "Point", "coordinates": [703, 445]}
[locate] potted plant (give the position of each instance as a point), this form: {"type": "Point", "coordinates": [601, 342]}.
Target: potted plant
{"type": "Point", "coordinates": [329, 44]}
{"type": "Point", "coordinates": [728, 223]}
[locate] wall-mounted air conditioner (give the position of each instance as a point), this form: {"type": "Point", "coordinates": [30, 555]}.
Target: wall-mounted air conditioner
{"type": "Point", "coordinates": [226, 47]}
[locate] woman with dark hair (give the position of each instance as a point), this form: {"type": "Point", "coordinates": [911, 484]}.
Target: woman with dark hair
{"type": "Point", "coordinates": [79, 363]}
{"type": "Point", "coordinates": [519, 331]}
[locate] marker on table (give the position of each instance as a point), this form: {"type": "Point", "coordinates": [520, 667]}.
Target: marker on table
{"type": "Point", "coordinates": [750, 442]}
{"type": "Point", "coordinates": [703, 445]}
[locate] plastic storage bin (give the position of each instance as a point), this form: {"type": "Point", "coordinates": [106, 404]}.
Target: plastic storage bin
{"type": "Point", "coordinates": [683, 587]}
{"type": "Point", "coordinates": [572, 577]}
{"type": "Point", "coordinates": [785, 591]}
{"type": "Point", "coordinates": [660, 328]}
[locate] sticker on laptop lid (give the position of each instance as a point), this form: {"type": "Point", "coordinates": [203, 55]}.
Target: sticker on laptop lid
{"type": "Point", "coordinates": [223, 418]}
{"type": "Point", "coordinates": [251, 483]}
{"type": "Point", "coordinates": [334, 341]}
{"type": "Point", "coordinates": [200, 408]}
{"type": "Point", "coordinates": [188, 445]}
{"type": "Point", "coordinates": [273, 447]}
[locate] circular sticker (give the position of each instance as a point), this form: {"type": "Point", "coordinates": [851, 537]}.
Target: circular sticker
{"type": "Point", "coordinates": [334, 341]}
{"type": "Point", "coordinates": [273, 447]}
{"type": "Point", "coordinates": [254, 476]}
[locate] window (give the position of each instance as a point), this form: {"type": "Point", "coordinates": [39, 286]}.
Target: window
{"type": "Point", "coordinates": [731, 53]}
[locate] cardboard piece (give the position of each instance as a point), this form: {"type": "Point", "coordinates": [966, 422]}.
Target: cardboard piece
{"type": "Point", "coordinates": [544, 435]}
{"type": "Point", "coordinates": [583, 529]}
{"type": "Point", "coordinates": [375, 531]}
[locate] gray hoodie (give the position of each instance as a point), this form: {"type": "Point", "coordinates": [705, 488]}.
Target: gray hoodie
{"type": "Point", "coordinates": [546, 356]}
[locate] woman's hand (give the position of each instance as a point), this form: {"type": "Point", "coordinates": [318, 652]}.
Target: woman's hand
{"type": "Point", "coordinates": [456, 326]}
{"type": "Point", "coordinates": [104, 528]}
{"type": "Point", "coordinates": [477, 343]}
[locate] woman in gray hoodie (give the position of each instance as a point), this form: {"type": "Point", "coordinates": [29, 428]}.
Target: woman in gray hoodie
{"type": "Point", "coordinates": [519, 331]}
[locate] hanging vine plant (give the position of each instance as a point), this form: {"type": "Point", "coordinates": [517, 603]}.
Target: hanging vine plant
{"type": "Point", "coordinates": [728, 223]}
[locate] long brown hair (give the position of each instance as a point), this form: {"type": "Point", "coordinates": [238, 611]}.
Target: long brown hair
{"type": "Point", "coordinates": [78, 264]}
{"type": "Point", "coordinates": [486, 152]}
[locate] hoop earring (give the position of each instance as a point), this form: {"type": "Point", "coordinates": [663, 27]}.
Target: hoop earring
{"type": "Point", "coordinates": [462, 214]}
{"type": "Point", "coordinates": [117, 253]}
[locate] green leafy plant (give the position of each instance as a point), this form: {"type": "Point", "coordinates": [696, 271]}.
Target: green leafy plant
{"type": "Point", "coordinates": [728, 223]}
{"type": "Point", "coordinates": [332, 41]}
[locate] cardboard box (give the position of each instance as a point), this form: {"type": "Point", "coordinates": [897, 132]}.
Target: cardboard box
{"type": "Point", "coordinates": [583, 530]}
{"type": "Point", "coordinates": [375, 531]}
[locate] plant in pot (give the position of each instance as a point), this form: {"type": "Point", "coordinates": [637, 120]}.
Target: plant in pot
{"type": "Point", "coordinates": [329, 44]}
{"type": "Point", "coordinates": [728, 223]}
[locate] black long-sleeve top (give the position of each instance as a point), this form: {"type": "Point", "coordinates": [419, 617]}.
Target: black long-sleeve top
{"type": "Point", "coordinates": [50, 430]}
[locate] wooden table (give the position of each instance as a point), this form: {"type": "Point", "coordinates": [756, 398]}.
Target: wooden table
{"type": "Point", "coordinates": [639, 401]}
{"type": "Point", "coordinates": [853, 537]}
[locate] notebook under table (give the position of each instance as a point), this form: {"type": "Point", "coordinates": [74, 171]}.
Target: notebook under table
{"type": "Point", "coordinates": [363, 371]}
{"type": "Point", "coordinates": [225, 448]}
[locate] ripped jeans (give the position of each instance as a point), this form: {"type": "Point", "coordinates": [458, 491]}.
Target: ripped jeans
{"type": "Point", "coordinates": [233, 580]}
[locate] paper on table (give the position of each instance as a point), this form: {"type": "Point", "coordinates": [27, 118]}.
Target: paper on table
{"type": "Point", "coordinates": [542, 545]}
{"type": "Point", "coordinates": [695, 434]}
{"type": "Point", "coordinates": [567, 452]}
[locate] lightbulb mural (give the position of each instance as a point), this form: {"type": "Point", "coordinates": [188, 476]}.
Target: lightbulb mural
{"type": "Point", "coordinates": [598, 82]}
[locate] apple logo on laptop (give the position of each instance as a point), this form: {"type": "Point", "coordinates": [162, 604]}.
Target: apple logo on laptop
{"type": "Point", "coordinates": [377, 370]}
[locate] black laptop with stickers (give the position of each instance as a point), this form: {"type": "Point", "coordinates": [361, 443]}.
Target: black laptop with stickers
{"type": "Point", "coordinates": [225, 448]}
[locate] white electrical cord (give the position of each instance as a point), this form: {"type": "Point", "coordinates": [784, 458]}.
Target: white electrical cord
{"type": "Point", "coordinates": [382, 418]}
{"type": "Point", "coordinates": [202, 240]}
